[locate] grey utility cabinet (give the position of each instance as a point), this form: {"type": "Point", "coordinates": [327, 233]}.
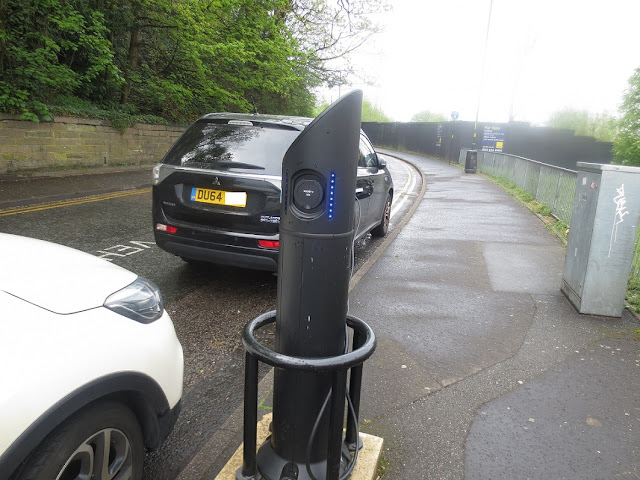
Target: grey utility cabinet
{"type": "Point", "coordinates": [604, 224]}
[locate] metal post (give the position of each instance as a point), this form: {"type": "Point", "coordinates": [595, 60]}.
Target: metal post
{"type": "Point", "coordinates": [249, 467]}
{"type": "Point", "coordinates": [555, 200]}
{"type": "Point", "coordinates": [538, 185]}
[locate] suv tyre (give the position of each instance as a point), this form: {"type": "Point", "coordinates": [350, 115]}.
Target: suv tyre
{"type": "Point", "coordinates": [382, 229]}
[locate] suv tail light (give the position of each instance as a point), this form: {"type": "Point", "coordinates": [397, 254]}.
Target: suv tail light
{"type": "Point", "coordinates": [165, 228]}
{"type": "Point", "coordinates": [269, 243]}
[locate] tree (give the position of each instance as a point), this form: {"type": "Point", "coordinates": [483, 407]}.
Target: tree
{"type": "Point", "coordinates": [428, 116]}
{"type": "Point", "coordinates": [600, 126]}
{"type": "Point", "coordinates": [175, 58]}
{"type": "Point", "coordinates": [604, 127]}
{"type": "Point", "coordinates": [627, 146]}
{"type": "Point", "coordinates": [328, 31]}
{"type": "Point", "coordinates": [570, 119]}
{"type": "Point", "coordinates": [371, 113]}
{"type": "Point", "coordinates": [49, 49]}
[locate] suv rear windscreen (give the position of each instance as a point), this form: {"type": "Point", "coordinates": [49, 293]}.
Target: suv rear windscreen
{"type": "Point", "coordinates": [238, 148]}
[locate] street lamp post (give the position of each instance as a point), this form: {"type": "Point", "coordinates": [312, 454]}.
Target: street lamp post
{"type": "Point", "coordinates": [484, 63]}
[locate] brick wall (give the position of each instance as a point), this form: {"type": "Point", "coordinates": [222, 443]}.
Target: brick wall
{"type": "Point", "coordinates": [70, 142]}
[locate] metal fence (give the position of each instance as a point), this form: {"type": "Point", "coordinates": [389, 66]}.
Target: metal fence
{"type": "Point", "coordinates": [551, 186]}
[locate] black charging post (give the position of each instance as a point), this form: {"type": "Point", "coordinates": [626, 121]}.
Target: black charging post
{"type": "Point", "coordinates": [312, 354]}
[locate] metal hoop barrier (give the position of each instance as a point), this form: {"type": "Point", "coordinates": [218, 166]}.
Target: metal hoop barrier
{"type": "Point", "coordinates": [323, 364]}
{"type": "Point", "coordinates": [364, 344]}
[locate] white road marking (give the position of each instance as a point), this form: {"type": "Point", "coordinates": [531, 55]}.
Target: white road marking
{"type": "Point", "coordinates": [406, 190]}
{"type": "Point", "coordinates": [124, 250]}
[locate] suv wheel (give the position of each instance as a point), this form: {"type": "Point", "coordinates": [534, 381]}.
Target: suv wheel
{"type": "Point", "coordinates": [382, 229]}
{"type": "Point", "coordinates": [101, 442]}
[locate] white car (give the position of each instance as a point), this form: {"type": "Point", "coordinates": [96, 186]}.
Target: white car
{"type": "Point", "coordinates": [91, 369]}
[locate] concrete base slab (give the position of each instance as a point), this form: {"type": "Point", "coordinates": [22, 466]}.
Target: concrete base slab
{"type": "Point", "coordinates": [365, 469]}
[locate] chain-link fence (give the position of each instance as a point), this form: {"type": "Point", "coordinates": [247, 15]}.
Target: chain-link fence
{"type": "Point", "coordinates": [551, 186]}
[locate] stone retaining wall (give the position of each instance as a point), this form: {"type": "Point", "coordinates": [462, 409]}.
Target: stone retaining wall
{"type": "Point", "coordinates": [68, 142]}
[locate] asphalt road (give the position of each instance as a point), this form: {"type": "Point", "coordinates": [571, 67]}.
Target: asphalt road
{"type": "Point", "coordinates": [209, 305]}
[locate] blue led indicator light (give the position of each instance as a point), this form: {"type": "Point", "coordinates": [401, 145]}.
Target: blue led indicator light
{"type": "Point", "coordinates": [332, 182]}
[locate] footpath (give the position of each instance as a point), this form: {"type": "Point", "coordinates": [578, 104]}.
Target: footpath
{"type": "Point", "coordinates": [42, 187]}
{"type": "Point", "coordinates": [484, 370]}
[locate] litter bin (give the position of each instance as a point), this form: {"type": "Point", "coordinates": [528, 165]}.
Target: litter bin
{"type": "Point", "coordinates": [471, 162]}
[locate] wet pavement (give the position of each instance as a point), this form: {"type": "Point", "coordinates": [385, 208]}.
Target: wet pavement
{"type": "Point", "coordinates": [483, 368]}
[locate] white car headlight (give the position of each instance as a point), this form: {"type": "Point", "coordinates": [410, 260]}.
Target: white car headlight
{"type": "Point", "coordinates": [141, 301]}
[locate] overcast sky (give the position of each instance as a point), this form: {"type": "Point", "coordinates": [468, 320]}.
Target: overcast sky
{"type": "Point", "coordinates": [542, 56]}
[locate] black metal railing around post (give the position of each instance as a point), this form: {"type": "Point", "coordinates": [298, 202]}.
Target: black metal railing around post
{"type": "Point", "coordinates": [363, 346]}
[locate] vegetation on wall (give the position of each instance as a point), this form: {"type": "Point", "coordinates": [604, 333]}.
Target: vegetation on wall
{"type": "Point", "coordinates": [174, 59]}
{"type": "Point", "coordinates": [372, 113]}
{"type": "Point", "coordinates": [428, 116]}
{"type": "Point", "coordinates": [624, 131]}
{"type": "Point", "coordinates": [600, 126]}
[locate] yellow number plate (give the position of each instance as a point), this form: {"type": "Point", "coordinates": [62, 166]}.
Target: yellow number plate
{"type": "Point", "coordinates": [218, 197]}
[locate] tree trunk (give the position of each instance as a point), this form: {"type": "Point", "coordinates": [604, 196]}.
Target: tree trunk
{"type": "Point", "coordinates": [3, 26]}
{"type": "Point", "coordinates": [132, 62]}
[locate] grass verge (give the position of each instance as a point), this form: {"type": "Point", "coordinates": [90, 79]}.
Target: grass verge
{"type": "Point", "coordinates": [120, 116]}
{"type": "Point", "coordinates": [557, 227]}
{"type": "Point", "coordinates": [383, 466]}
{"type": "Point", "coordinates": [633, 296]}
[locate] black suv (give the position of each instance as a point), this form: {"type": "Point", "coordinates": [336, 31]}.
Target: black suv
{"type": "Point", "coordinates": [217, 192]}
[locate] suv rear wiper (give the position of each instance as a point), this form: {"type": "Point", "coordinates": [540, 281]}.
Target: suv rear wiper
{"type": "Point", "coordinates": [238, 165]}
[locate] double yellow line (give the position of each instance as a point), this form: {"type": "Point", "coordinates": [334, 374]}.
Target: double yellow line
{"type": "Point", "coordinates": [68, 203]}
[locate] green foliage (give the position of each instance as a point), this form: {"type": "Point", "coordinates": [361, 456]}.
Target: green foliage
{"type": "Point", "coordinates": [428, 116]}
{"type": "Point", "coordinates": [49, 48]}
{"type": "Point", "coordinates": [627, 146]}
{"type": "Point", "coordinates": [633, 297]}
{"type": "Point", "coordinates": [120, 116]}
{"type": "Point", "coordinates": [319, 108]}
{"type": "Point", "coordinates": [176, 59]}
{"type": "Point", "coordinates": [600, 126]}
{"type": "Point", "coordinates": [371, 113]}
{"type": "Point", "coordinates": [383, 467]}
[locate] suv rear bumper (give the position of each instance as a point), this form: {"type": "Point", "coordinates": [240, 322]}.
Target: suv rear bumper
{"type": "Point", "coordinates": [253, 258]}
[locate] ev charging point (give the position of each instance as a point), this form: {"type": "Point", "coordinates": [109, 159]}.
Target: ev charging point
{"type": "Point", "coordinates": [312, 354]}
